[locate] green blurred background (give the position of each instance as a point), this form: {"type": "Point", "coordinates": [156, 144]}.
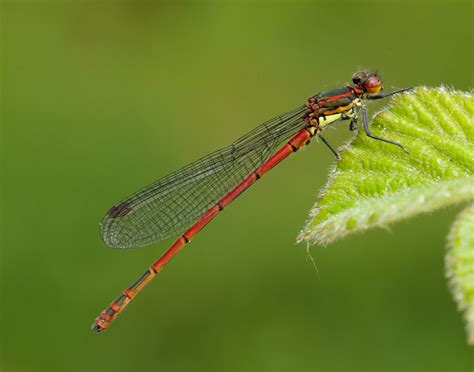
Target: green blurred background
{"type": "Point", "coordinates": [100, 98]}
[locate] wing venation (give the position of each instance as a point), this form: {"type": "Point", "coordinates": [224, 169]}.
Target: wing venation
{"type": "Point", "coordinates": [173, 203]}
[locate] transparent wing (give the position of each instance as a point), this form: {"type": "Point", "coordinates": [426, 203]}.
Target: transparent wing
{"type": "Point", "coordinates": [170, 205]}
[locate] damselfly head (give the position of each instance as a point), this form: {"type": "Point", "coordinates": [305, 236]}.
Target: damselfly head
{"type": "Point", "coordinates": [369, 82]}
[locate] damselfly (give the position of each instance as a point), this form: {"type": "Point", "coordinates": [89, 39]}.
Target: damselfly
{"type": "Point", "coordinates": [188, 199]}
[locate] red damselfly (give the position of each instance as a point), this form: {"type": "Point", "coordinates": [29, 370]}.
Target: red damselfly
{"type": "Point", "coordinates": [188, 199]}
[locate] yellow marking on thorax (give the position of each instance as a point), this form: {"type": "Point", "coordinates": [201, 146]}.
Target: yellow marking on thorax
{"type": "Point", "coordinates": [324, 121]}
{"type": "Point", "coordinates": [334, 115]}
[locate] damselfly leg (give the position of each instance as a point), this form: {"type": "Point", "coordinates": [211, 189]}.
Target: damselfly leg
{"type": "Point", "coordinates": [367, 131]}
{"type": "Point", "coordinates": [334, 151]}
{"type": "Point", "coordinates": [383, 95]}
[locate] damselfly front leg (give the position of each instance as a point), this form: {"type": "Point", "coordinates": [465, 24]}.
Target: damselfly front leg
{"type": "Point", "coordinates": [365, 122]}
{"type": "Point", "coordinates": [383, 95]}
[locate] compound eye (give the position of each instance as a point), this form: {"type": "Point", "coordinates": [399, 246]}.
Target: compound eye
{"type": "Point", "coordinates": [358, 77]}
{"type": "Point", "coordinates": [373, 84]}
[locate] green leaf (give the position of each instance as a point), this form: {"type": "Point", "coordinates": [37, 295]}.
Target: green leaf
{"type": "Point", "coordinates": [377, 183]}
{"type": "Point", "coordinates": [460, 266]}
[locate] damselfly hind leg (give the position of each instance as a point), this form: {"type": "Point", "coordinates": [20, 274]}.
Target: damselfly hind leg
{"type": "Point", "coordinates": [365, 121]}
{"type": "Point", "coordinates": [334, 151]}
